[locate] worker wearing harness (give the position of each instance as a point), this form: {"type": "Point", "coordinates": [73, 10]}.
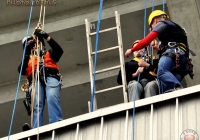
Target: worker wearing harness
{"type": "Point", "coordinates": [50, 79]}
{"type": "Point", "coordinates": [147, 85]}
{"type": "Point", "coordinates": [174, 61]}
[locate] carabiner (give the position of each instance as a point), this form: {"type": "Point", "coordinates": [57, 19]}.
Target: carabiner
{"type": "Point", "coordinates": [172, 44]}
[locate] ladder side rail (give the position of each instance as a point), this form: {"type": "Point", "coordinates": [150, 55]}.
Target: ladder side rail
{"type": "Point", "coordinates": [121, 55]}
{"type": "Point", "coordinates": [89, 47]}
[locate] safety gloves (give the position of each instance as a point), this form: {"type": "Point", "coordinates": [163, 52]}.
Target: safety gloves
{"type": "Point", "coordinates": [41, 34]}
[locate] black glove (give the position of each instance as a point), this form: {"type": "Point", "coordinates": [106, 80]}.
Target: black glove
{"type": "Point", "coordinates": [29, 46]}
{"type": "Point", "coordinates": [40, 33]}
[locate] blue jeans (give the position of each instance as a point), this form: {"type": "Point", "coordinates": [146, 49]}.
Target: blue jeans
{"type": "Point", "coordinates": [52, 95]}
{"type": "Point", "coordinates": [165, 72]}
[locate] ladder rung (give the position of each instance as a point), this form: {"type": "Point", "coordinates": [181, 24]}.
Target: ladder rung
{"type": "Point", "coordinates": [108, 89]}
{"type": "Point", "coordinates": [105, 50]}
{"type": "Point", "coordinates": [108, 69]}
{"type": "Point", "coordinates": [105, 30]}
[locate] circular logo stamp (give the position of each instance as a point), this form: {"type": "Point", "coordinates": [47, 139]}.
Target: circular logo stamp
{"type": "Point", "coordinates": [189, 134]}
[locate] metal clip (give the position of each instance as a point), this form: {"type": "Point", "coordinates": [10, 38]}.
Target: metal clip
{"type": "Point", "coordinates": [177, 49]}
{"type": "Point", "coordinates": [172, 44]}
{"type": "Point", "coordinates": [25, 87]}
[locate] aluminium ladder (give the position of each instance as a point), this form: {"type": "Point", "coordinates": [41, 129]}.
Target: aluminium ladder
{"type": "Point", "coordinates": [121, 55]}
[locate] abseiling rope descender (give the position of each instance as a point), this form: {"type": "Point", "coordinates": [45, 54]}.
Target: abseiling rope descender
{"type": "Point", "coordinates": [39, 26]}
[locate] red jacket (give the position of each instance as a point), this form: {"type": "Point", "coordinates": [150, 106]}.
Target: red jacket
{"type": "Point", "coordinates": [48, 62]}
{"type": "Point", "coordinates": [51, 57]}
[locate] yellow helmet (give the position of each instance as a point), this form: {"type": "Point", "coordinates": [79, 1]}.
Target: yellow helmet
{"type": "Point", "coordinates": [155, 14]}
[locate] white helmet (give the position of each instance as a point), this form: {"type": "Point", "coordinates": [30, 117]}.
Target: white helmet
{"type": "Point", "coordinates": [26, 38]}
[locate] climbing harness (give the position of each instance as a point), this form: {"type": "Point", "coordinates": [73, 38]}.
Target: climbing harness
{"type": "Point", "coordinates": [58, 76]}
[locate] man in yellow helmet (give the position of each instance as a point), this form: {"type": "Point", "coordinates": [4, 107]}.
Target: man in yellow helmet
{"type": "Point", "coordinates": [174, 62]}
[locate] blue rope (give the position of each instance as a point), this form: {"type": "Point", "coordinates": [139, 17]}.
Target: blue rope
{"type": "Point", "coordinates": [150, 49]}
{"type": "Point", "coordinates": [95, 56]}
{"type": "Point", "coordinates": [145, 13]}
{"type": "Point", "coordinates": [151, 53]}
{"type": "Point", "coordinates": [153, 3]}
{"type": "Point", "coordinates": [133, 124]}
{"type": "Point", "coordinates": [163, 2]}
{"type": "Point", "coordinates": [15, 103]}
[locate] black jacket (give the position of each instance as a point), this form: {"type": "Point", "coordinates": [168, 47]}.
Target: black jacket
{"type": "Point", "coordinates": [130, 68]}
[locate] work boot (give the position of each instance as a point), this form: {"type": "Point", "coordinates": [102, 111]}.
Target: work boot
{"type": "Point", "coordinates": [26, 127]}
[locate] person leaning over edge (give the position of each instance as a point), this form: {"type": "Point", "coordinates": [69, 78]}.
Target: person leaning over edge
{"type": "Point", "coordinates": [147, 85]}
{"type": "Point", "coordinates": [174, 61]}
{"type": "Point", "coordinates": [50, 85]}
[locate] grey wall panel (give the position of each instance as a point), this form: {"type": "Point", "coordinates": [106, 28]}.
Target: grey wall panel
{"type": "Point", "coordinates": [190, 113]}
{"type": "Point", "coordinates": [43, 136]}
{"type": "Point", "coordinates": [89, 130]}
{"type": "Point", "coordinates": [141, 124]}
{"type": "Point", "coordinates": [67, 133]}
{"type": "Point", "coordinates": [114, 127]}
{"type": "Point", "coordinates": [164, 119]}
{"type": "Point", "coordinates": [198, 113]}
{"type": "Point", "coordinates": [49, 137]}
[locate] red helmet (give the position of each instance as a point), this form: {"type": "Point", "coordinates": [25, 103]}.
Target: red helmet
{"type": "Point", "coordinates": [135, 42]}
